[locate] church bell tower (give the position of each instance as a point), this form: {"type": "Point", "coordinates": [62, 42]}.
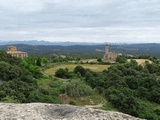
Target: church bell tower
{"type": "Point", "coordinates": [106, 48]}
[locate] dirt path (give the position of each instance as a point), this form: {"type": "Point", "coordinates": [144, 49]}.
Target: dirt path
{"type": "Point", "coordinates": [94, 106]}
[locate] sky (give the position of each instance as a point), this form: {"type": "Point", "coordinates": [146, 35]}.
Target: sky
{"type": "Point", "coordinates": [115, 21]}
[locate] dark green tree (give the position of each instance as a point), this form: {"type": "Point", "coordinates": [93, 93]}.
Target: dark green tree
{"type": "Point", "coordinates": [38, 62]}
{"type": "Point", "coordinates": [121, 59]}
{"type": "Point", "coordinates": [63, 73]}
{"type": "Point", "coordinates": [81, 70]}
{"type": "Point", "coordinates": [99, 60]}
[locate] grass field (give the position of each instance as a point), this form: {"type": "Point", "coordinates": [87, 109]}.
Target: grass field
{"type": "Point", "coordinates": [141, 61]}
{"type": "Point", "coordinates": [94, 67]}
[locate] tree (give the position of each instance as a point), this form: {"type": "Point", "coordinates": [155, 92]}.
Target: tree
{"type": "Point", "coordinates": [4, 71]}
{"type": "Point", "coordinates": [152, 67]}
{"type": "Point", "coordinates": [96, 80]}
{"type": "Point", "coordinates": [99, 60]}
{"type": "Point", "coordinates": [121, 59]}
{"type": "Point", "coordinates": [38, 62]}
{"type": "Point", "coordinates": [8, 58]}
{"type": "Point", "coordinates": [32, 67]}
{"type": "Point", "coordinates": [15, 72]}
{"type": "Point", "coordinates": [63, 73]}
{"type": "Point", "coordinates": [31, 60]}
{"type": "Point", "coordinates": [155, 95]}
{"type": "Point", "coordinates": [45, 60]}
{"type": "Point", "coordinates": [80, 69]}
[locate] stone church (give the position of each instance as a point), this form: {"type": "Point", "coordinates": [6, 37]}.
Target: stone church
{"type": "Point", "coordinates": [14, 52]}
{"type": "Point", "coordinates": [110, 56]}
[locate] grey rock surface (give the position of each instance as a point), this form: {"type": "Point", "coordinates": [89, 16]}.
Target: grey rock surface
{"type": "Point", "coordinates": [43, 111]}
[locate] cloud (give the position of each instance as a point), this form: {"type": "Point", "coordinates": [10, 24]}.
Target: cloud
{"type": "Point", "coordinates": [80, 20]}
{"type": "Point", "coordinates": [96, 34]}
{"type": "Point", "coordinates": [21, 5]}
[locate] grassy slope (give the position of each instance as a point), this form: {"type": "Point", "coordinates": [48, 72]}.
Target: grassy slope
{"type": "Point", "coordinates": [93, 100]}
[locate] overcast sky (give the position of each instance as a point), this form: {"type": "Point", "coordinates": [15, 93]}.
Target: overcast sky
{"type": "Point", "coordinates": [122, 21]}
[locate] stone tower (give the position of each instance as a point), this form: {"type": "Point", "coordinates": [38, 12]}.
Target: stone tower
{"type": "Point", "coordinates": [106, 48]}
{"type": "Point", "coordinates": [109, 56]}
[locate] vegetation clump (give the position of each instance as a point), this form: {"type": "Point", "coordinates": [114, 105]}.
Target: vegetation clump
{"type": "Point", "coordinates": [63, 73]}
{"type": "Point", "coordinates": [77, 88]}
{"type": "Point", "coordinates": [128, 86]}
{"type": "Point", "coordinates": [121, 59]}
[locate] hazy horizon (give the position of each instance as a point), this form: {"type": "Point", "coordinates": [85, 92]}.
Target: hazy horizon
{"type": "Point", "coordinates": [41, 41]}
{"type": "Point", "coordinates": [116, 21]}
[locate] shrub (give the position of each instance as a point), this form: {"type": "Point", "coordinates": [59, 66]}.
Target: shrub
{"type": "Point", "coordinates": [63, 73]}
{"type": "Point", "coordinates": [121, 59]}
{"type": "Point", "coordinates": [81, 70]}
{"type": "Point", "coordinates": [37, 96]}
{"type": "Point", "coordinates": [77, 88]}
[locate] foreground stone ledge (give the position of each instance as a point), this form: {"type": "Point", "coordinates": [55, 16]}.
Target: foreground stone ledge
{"type": "Point", "coordinates": [43, 111]}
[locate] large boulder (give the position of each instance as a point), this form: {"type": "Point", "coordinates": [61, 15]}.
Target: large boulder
{"type": "Point", "coordinates": [43, 111]}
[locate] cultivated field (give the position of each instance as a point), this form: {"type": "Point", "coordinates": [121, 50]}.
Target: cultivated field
{"type": "Point", "coordinates": [70, 67]}
{"type": "Point", "coordinates": [93, 67]}
{"type": "Point", "coordinates": [141, 61]}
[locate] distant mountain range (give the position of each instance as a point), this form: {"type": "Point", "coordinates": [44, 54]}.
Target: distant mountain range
{"type": "Point", "coordinates": [36, 42]}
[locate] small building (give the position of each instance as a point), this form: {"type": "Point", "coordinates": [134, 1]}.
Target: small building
{"type": "Point", "coordinates": [110, 56]}
{"type": "Point", "coordinates": [14, 52]}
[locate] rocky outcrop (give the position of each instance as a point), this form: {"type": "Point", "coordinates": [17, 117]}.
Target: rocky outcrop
{"type": "Point", "coordinates": [42, 111]}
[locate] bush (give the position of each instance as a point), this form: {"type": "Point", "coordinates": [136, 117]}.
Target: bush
{"type": "Point", "coordinates": [121, 59]}
{"type": "Point", "coordinates": [37, 96]}
{"type": "Point", "coordinates": [81, 70]}
{"type": "Point", "coordinates": [63, 73]}
{"type": "Point", "coordinates": [77, 88]}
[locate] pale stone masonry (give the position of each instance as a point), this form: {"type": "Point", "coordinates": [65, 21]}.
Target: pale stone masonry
{"type": "Point", "coordinates": [110, 56]}
{"type": "Point", "coordinates": [14, 52]}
